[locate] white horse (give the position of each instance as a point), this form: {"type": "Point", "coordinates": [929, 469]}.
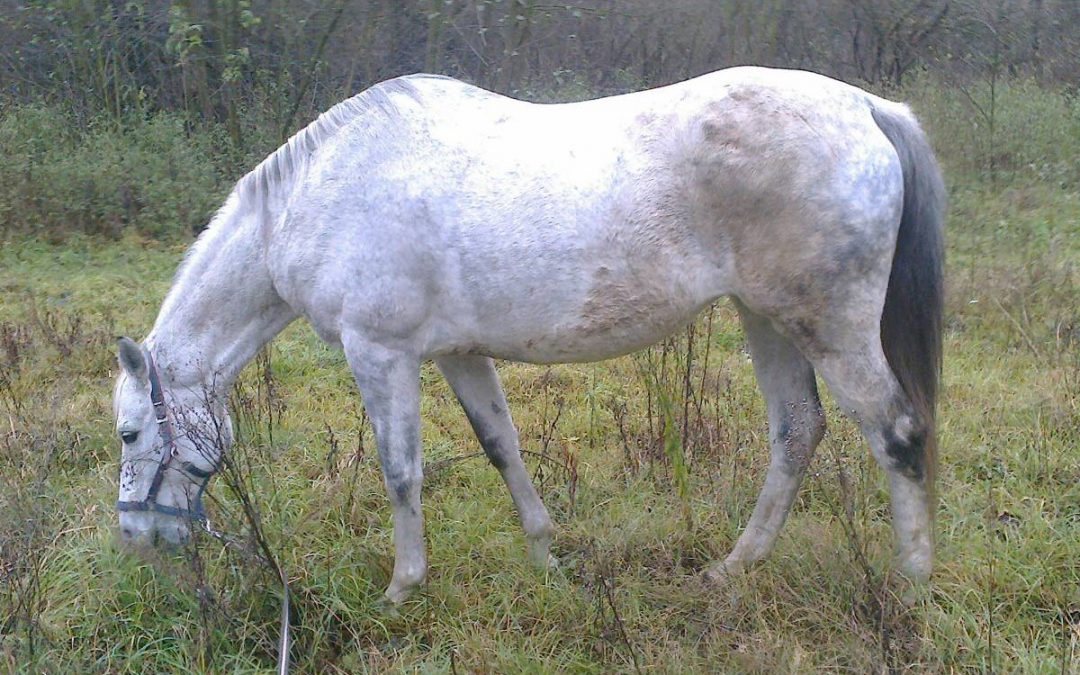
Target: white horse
{"type": "Point", "coordinates": [425, 218]}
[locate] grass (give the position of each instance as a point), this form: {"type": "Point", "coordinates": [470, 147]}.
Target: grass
{"type": "Point", "coordinates": [635, 530]}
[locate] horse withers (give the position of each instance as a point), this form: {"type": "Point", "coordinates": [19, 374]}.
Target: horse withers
{"type": "Point", "coordinates": [425, 218]}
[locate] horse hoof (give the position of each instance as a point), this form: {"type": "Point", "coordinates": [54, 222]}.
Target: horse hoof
{"type": "Point", "coordinates": [910, 592]}
{"type": "Point", "coordinates": [388, 608]}
{"type": "Point", "coordinates": [394, 596]}
{"type": "Point", "coordinates": [916, 568]}
{"type": "Point", "coordinates": [540, 554]}
{"type": "Point", "coordinates": [723, 572]}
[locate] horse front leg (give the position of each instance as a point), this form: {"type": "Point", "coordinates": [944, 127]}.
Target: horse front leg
{"type": "Point", "coordinates": [389, 382]}
{"type": "Point", "coordinates": [476, 384]}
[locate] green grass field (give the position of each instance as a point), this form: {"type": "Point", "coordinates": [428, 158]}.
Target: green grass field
{"type": "Point", "coordinates": [637, 523]}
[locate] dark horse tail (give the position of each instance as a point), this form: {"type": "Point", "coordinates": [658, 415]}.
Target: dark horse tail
{"type": "Point", "coordinates": [911, 322]}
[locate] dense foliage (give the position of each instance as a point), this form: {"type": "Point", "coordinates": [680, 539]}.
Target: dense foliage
{"type": "Point", "coordinates": [140, 115]}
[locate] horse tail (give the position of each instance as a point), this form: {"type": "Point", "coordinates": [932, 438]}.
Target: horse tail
{"type": "Point", "coordinates": [911, 322]}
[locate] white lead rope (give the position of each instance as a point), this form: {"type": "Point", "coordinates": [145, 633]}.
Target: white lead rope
{"type": "Point", "coordinates": [286, 638]}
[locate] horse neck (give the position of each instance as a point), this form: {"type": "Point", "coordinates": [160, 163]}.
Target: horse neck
{"type": "Point", "coordinates": [222, 307]}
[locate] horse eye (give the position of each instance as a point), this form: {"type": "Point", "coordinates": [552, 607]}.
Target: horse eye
{"type": "Point", "coordinates": [129, 437]}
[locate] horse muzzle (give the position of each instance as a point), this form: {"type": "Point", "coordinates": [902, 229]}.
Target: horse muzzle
{"type": "Point", "coordinates": [144, 529]}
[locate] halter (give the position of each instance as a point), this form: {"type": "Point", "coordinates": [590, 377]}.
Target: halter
{"type": "Point", "coordinates": [168, 454]}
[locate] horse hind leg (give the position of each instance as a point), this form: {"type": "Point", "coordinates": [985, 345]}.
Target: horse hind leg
{"type": "Point", "coordinates": [796, 425]}
{"type": "Point", "coordinates": [860, 378]}
{"type": "Point", "coordinates": [476, 385]}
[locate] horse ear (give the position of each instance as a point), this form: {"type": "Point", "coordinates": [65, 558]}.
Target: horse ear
{"type": "Point", "coordinates": [131, 358]}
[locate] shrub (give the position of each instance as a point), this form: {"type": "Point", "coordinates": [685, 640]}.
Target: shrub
{"type": "Point", "coordinates": [1015, 132]}
{"type": "Point", "coordinates": [151, 176]}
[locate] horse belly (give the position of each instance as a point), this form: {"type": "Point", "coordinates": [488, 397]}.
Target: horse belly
{"type": "Point", "coordinates": [609, 316]}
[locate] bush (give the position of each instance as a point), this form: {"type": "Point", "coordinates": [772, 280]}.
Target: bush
{"type": "Point", "coordinates": [151, 175]}
{"type": "Point", "coordinates": [1015, 132]}
{"type": "Point", "coordinates": [155, 176]}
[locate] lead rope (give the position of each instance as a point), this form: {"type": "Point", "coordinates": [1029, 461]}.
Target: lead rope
{"type": "Point", "coordinates": [285, 639]}
{"type": "Point", "coordinates": [285, 633]}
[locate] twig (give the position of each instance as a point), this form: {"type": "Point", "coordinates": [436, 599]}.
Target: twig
{"type": "Point", "coordinates": [608, 595]}
{"type": "Point", "coordinates": [1019, 327]}
{"type": "Point", "coordinates": [310, 74]}
{"type": "Point", "coordinates": [443, 464]}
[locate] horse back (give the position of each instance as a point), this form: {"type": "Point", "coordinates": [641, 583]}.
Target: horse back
{"type": "Point", "coordinates": [479, 223]}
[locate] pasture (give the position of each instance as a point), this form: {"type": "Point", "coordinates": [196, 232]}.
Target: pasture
{"type": "Point", "coordinates": [649, 464]}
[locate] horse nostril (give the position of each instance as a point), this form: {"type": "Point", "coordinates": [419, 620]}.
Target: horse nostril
{"type": "Point", "coordinates": [127, 532]}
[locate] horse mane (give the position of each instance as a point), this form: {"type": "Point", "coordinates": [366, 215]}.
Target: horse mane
{"type": "Point", "coordinates": [282, 164]}
{"type": "Point", "coordinates": [251, 191]}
